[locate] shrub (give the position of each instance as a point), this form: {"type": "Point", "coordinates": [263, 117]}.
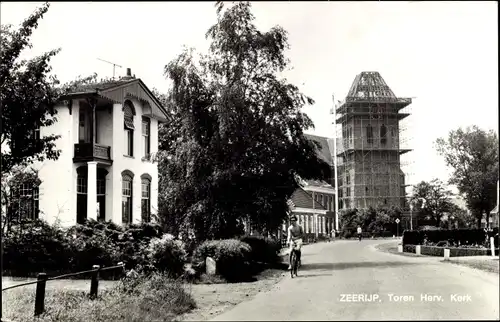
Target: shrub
{"type": "Point", "coordinates": [409, 249]}
{"type": "Point", "coordinates": [91, 246]}
{"type": "Point", "coordinates": [455, 251]}
{"type": "Point", "coordinates": [231, 256]}
{"type": "Point", "coordinates": [452, 237]}
{"type": "Point", "coordinates": [263, 249]}
{"type": "Point", "coordinates": [39, 247]}
{"type": "Point", "coordinates": [36, 247]}
{"type": "Point", "coordinates": [167, 254]}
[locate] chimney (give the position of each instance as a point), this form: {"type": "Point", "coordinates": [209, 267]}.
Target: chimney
{"type": "Point", "coordinates": [129, 75]}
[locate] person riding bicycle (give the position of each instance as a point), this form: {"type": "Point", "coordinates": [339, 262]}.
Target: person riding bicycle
{"type": "Point", "coordinates": [295, 235]}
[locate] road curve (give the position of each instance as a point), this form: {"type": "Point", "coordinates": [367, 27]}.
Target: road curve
{"type": "Point", "coordinates": [351, 280]}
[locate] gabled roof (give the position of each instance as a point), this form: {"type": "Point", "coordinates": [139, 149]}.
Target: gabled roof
{"type": "Point", "coordinates": [324, 150]}
{"type": "Point", "coordinates": [117, 90]}
{"type": "Point", "coordinates": [303, 199]}
{"type": "Point", "coordinates": [318, 183]}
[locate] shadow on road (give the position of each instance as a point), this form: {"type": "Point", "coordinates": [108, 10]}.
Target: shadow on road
{"type": "Point", "coordinates": [340, 266]}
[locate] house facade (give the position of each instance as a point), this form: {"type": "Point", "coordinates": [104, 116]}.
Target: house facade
{"type": "Point", "coordinates": [314, 204]}
{"type": "Point", "coordinates": [108, 135]}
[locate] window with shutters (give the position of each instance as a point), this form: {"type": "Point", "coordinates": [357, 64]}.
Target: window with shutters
{"type": "Point", "coordinates": [145, 199]}
{"type": "Point", "coordinates": [146, 144]}
{"type": "Point", "coordinates": [128, 125]}
{"type": "Point", "coordinates": [127, 198]}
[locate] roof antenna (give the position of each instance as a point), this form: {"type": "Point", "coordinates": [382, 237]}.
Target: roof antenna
{"type": "Point", "coordinates": [114, 65]}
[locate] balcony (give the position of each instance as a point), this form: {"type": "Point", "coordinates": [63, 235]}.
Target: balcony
{"type": "Point", "coordinates": [85, 152]}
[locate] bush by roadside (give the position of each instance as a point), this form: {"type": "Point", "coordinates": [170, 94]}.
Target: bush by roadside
{"type": "Point", "coordinates": [455, 251]}
{"type": "Point", "coordinates": [231, 255]}
{"type": "Point", "coordinates": [265, 250]}
{"type": "Point", "coordinates": [146, 298]}
{"type": "Point", "coordinates": [40, 247]}
{"type": "Point", "coordinates": [453, 237]}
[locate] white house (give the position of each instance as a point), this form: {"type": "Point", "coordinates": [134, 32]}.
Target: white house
{"type": "Point", "coordinates": [109, 131]}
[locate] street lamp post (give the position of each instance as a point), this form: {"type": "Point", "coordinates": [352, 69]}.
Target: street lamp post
{"type": "Point", "coordinates": [335, 164]}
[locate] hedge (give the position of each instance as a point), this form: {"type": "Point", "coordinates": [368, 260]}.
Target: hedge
{"type": "Point", "coordinates": [454, 251]}
{"type": "Point", "coordinates": [453, 237]}
{"type": "Point", "coordinates": [40, 247]}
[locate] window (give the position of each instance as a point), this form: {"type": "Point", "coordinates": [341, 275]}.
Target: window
{"type": "Point", "coordinates": [101, 187]}
{"type": "Point", "coordinates": [126, 198]}
{"type": "Point", "coordinates": [347, 179]}
{"type": "Point", "coordinates": [81, 185]}
{"type": "Point", "coordinates": [383, 134]}
{"type": "Point", "coordinates": [369, 134]}
{"type": "Point", "coordinates": [145, 200]}
{"type": "Point", "coordinates": [321, 199]}
{"type": "Point", "coordinates": [128, 124]}
{"type": "Point", "coordinates": [146, 144]}
{"type": "Point", "coordinates": [28, 201]}
{"type": "Point", "coordinates": [348, 192]}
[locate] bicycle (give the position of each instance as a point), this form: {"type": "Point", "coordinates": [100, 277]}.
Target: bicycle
{"type": "Point", "coordinates": [295, 262]}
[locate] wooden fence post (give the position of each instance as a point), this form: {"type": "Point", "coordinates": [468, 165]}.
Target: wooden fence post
{"type": "Point", "coordinates": [94, 283]}
{"type": "Point", "coordinates": [40, 293]}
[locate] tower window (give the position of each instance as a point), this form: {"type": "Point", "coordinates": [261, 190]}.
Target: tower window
{"type": "Point", "coordinates": [383, 134]}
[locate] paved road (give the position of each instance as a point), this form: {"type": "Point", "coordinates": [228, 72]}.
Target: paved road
{"type": "Point", "coordinates": [333, 274]}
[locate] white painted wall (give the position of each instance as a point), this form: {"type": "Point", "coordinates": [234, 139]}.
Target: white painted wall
{"type": "Point", "coordinates": [134, 164]}
{"type": "Point", "coordinates": [58, 188]}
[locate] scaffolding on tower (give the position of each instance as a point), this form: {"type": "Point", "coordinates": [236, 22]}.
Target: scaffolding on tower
{"type": "Point", "coordinates": [372, 143]}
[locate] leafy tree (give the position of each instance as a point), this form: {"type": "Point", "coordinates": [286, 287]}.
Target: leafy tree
{"type": "Point", "coordinates": [472, 153]}
{"type": "Point", "coordinates": [462, 217]}
{"type": "Point", "coordinates": [235, 146]}
{"type": "Point", "coordinates": [27, 97]}
{"type": "Point", "coordinates": [431, 201]}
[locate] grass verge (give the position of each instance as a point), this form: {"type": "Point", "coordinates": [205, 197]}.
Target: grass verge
{"type": "Point", "coordinates": [214, 297]}
{"type": "Point", "coordinates": [155, 298]}
{"type": "Point", "coordinates": [483, 263]}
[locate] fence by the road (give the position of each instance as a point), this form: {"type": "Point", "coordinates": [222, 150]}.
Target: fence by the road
{"type": "Point", "coordinates": [42, 280]}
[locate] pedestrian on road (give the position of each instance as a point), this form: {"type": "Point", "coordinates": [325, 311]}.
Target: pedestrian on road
{"type": "Point", "coordinates": [333, 234]}
{"type": "Point", "coordinates": [359, 233]}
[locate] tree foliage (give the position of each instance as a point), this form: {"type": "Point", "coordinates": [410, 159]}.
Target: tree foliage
{"type": "Point", "coordinates": [235, 144]}
{"type": "Point", "coordinates": [472, 153]}
{"type": "Point", "coordinates": [431, 201]}
{"type": "Point", "coordinates": [372, 220]}
{"type": "Point", "coordinates": [28, 94]}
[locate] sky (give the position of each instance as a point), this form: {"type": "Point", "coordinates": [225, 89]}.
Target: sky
{"type": "Point", "coordinates": [442, 54]}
